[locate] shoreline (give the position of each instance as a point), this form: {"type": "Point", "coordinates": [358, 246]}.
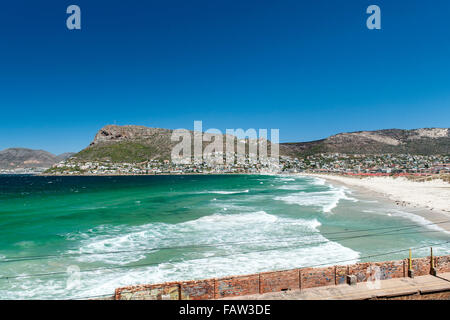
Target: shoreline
{"type": "Point", "coordinates": [381, 188]}
{"type": "Point", "coordinates": [259, 265]}
{"type": "Point", "coordinates": [401, 193]}
{"type": "Point", "coordinates": [129, 174]}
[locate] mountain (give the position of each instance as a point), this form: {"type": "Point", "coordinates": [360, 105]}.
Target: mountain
{"type": "Point", "coordinates": [424, 141]}
{"type": "Point", "coordinates": [15, 158]}
{"type": "Point", "coordinates": [138, 143]}
{"type": "Point", "coordinates": [128, 144]}
{"type": "Point", "coordinates": [65, 155]}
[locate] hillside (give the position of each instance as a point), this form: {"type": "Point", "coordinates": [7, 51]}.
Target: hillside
{"type": "Point", "coordinates": [135, 144]}
{"type": "Point", "coordinates": [396, 141]}
{"type": "Point", "coordinates": [139, 143]}
{"type": "Point", "coordinates": [14, 158]}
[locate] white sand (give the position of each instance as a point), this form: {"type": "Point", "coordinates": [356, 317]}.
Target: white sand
{"type": "Point", "coordinates": [434, 195]}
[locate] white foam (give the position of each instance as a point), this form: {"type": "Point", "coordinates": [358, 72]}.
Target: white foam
{"type": "Point", "coordinates": [236, 263]}
{"type": "Point", "coordinates": [263, 242]}
{"type": "Point", "coordinates": [327, 200]}
{"type": "Point", "coordinates": [225, 192]}
{"type": "Point", "coordinates": [231, 205]}
{"type": "Point", "coordinates": [417, 219]}
{"type": "Point", "coordinates": [318, 181]}
{"type": "Point", "coordinates": [291, 187]}
{"type": "Point", "coordinates": [238, 241]}
{"type": "Point", "coordinates": [286, 179]}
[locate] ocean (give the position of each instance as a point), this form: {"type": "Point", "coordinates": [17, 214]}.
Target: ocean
{"type": "Point", "coordinates": [81, 237]}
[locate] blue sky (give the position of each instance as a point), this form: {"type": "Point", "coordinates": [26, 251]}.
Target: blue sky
{"type": "Point", "coordinates": [309, 68]}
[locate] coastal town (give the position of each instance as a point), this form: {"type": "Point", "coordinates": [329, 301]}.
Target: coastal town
{"type": "Point", "coordinates": [34, 170]}
{"type": "Point", "coordinates": [384, 164]}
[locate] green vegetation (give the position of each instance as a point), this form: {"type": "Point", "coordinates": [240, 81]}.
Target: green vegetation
{"type": "Point", "coordinates": [132, 152]}
{"type": "Point", "coordinates": [133, 144]}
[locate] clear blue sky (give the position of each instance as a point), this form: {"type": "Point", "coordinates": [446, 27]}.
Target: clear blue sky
{"type": "Point", "coordinates": [309, 68]}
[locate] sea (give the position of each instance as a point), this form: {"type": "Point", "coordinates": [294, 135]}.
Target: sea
{"type": "Point", "coordinates": [81, 237]}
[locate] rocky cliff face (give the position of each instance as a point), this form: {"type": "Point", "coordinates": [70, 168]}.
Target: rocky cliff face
{"type": "Point", "coordinates": [139, 143]}
{"type": "Point", "coordinates": [114, 133]}
{"type": "Point", "coordinates": [128, 144]}
{"type": "Point", "coordinates": [15, 158]}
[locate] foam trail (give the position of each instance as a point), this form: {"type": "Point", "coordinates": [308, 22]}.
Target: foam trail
{"type": "Point", "coordinates": [224, 192]}
{"type": "Point", "coordinates": [291, 187]}
{"type": "Point", "coordinates": [257, 233]}
{"type": "Point", "coordinates": [410, 216]}
{"type": "Point", "coordinates": [327, 200]}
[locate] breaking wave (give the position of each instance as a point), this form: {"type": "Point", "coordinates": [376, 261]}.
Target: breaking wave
{"type": "Point", "coordinates": [224, 244]}
{"type": "Point", "coordinates": [224, 192]}
{"type": "Point", "coordinates": [327, 200]}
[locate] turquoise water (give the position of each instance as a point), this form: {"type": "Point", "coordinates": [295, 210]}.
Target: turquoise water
{"type": "Point", "coordinates": [74, 237]}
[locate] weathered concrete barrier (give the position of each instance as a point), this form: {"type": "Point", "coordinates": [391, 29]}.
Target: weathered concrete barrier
{"type": "Point", "coordinates": [277, 281]}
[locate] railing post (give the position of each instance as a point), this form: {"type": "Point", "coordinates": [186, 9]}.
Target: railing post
{"type": "Point", "coordinates": [410, 269]}
{"type": "Point", "coordinates": [433, 271]}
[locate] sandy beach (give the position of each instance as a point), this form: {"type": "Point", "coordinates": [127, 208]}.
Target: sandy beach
{"type": "Point", "coordinates": [430, 199]}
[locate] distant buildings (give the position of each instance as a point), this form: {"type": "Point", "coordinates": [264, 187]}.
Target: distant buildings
{"type": "Point", "coordinates": [382, 164]}
{"type": "Point", "coordinates": [23, 171]}
{"type": "Point", "coordinates": [356, 164]}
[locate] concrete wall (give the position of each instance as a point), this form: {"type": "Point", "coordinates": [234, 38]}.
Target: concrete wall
{"type": "Point", "coordinates": [421, 266]}
{"type": "Point", "coordinates": [317, 277]}
{"type": "Point", "coordinates": [237, 286]}
{"type": "Point", "coordinates": [198, 290]}
{"type": "Point", "coordinates": [442, 264]}
{"type": "Point", "coordinates": [279, 280]}
{"type": "Point", "coordinates": [386, 270]}
{"type": "Point", "coordinates": [162, 291]}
